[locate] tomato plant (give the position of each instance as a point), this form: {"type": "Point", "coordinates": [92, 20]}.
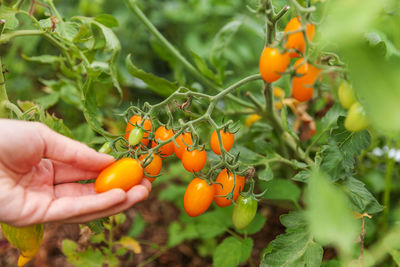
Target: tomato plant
{"type": "Point", "coordinates": [198, 197]}
{"type": "Point", "coordinates": [124, 174]}
{"type": "Point", "coordinates": [317, 134]}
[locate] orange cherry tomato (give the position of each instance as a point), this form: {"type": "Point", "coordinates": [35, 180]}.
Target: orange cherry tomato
{"type": "Point", "coordinates": [181, 140]}
{"type": "Point", "coordinates": [153, 168]}
{"type": "Point", "coordinates": [136, 119]}
{"type": "Point", "coordinates": [163, 134]}
{"type": "Point", "coordinates": [295, 41]}
{"type": "Point", "coordinates": [194, 160]}
{"type": "Point", "coordinates": [226, 138]}
{"type": "Point", "coordinates": [124, 173]}
{"type": "Point", "coordinates": [198, 197]}
{"type": "Point", "coordinates": [302, 89]}
{"type": "Point", "coordinates": [223, 186]}
{"type": "Point", "coordinates": [272, 64]}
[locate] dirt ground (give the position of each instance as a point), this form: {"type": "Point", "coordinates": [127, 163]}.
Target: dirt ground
{"type": "Point", "coordinates": [158, 215]}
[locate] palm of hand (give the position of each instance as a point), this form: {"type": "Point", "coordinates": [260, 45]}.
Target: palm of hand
{"type": "Point", "coordinates": [38, 173]}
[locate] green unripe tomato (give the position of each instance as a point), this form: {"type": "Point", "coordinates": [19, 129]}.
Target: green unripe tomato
{"type": "Point", "coordinates": [356, 119]}
{"type": "Point", "coordinates": [135, 136]}
{"type": "Point", "coordinates": [346, 95]}
{"type": "Point", "coordinates": [244, 212]}
{"type": "Point", "coordinates": [105, 148]}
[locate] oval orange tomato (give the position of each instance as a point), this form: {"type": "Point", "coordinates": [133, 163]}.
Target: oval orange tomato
{"type": "Point", "coordinates": [163, 134]}
{"type": "Point", "coordinates": [153, 168]}
{"type": "Point", "coordinates": [272, 64]}
{"type": "Point", "coordinates": [224, 185]}
{"type": "Point", "coordinates": [136, 119]}
{"type": "Point", "coordinates": [124, 173]}
{"type": "Point", "coordinates": [194, 160]}
{"type": "Point", "coordinates": [227, 139]}
{"type": "Point", "coordinates": [302, 87]}
{"type": "Point", "coordinates": [295, 41]}
{"type": "Point", "coordinates": [198, 197]}
{"type": "Point", "coordinates": [181, 140]}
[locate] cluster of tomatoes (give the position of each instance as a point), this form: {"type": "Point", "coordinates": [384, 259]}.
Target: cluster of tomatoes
{"type": "Point", "coordinates": [273, 63]}
{"type": "Point", "coordinates": [127, 172]}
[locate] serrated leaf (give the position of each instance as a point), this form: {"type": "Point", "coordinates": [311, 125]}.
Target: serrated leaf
{"type": "Point", "coordinates": [8, 14]}
{"type": "Point", "coordinates": [294, 220]}
{"type": "Point", "coordinates": [158, 85]}
{"type": "Point", "coordinates": [287, 249]}
{"type": "Point", "coordinates": [313, 255]}
{"type": "Point", "coordinates": [232, 251]}
{"type": "Point", "coordinates": [328, 214]}
{"type": "Point", "coordinates": [361, 199]}
{"type": "Point", "coordinates": [96, 226]}
{"type": "Point", "coordinates": [107, 20]}
{"type": "Point", "coordinates": [282, 189]}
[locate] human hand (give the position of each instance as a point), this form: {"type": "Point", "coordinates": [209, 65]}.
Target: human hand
{"type": "Point", "coordinates": [38, 168]}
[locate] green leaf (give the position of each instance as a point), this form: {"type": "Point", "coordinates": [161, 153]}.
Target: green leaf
{"type": "Point", "coordinates": [328, 214]}
{"type": "Point", "coordinates": [90, 110]}
{"type": "Point", "coordinates": [107, 20]}
{"type": "Point", "coordinates": [97, 239]}
{"type": "Point", "coordinates": [361, 199]}
{"type": "Point", "coordinates": [282, 189]}
{"type": "Point", "coordinates": [203, 68]}
{"type": "Point", "coordinates": [232, 251]}
{"type": "Point", "coordinates": [158, 85]}
{"type": "Point", "coordinates": [56, 124]}
{"type": "Point", "coordinates": [112, 44]}
{"type": "Point", "coordinates": [247, 156]}
{"type": "Point", "coordinates": [301, 176]}
{"type": "Point", "coordinates": [137, 226]}
{"type": "Point", "coordinates": [178, 233]}
{"type": "Point", "coordinates": [222, 40]}
{"type": "Point", "coordinates": [294, 248]}
{"type": "Point", "coordinates": [8, 14]}
{"type": "Point", "coordinates": [48, 101]}
{"type": "Point", "coordinates": [90, 257]}
{"type": "Point", "coordinates": [96, 226]}
{"type": "Point", "coordinates": [287, 249]}
{"type": "Point", "coordinates": [266, 174]}
{"type": "Point", "coordinates": [255, 226]}
{"type": "Point", "coordinates": [395, 255]}
{"type": "Point", "coordinates": [67, 30]}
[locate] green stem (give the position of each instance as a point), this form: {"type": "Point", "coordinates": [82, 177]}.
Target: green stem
{"type": "Point", "coordinates": [386, 194]}
{"type": "Point", "coordinates": [12, 107]}
{"type": "Point", "coordinates": [18, 4]}
{"type": "Point", "coordinates": [5, 38]}
{"type": "Point", "coordinates": [4, 112]}
{"type": "Point", "coordinates": [153, 258]}
{"type": "Point", "coordinates": [316, 139]}
{"type": "Point", "coordinates": [203, 80]}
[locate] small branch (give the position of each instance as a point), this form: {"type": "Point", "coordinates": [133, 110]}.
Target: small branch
{"type": "Point", "coordinates": [5, 38]}
{"type": "Point", "coordinates": [252, 99]}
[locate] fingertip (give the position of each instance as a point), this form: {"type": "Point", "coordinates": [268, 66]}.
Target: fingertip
{"type": "Point", "coordinates": [146, 183]}
{"type": "Point", "coordinates": [138, 193]}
